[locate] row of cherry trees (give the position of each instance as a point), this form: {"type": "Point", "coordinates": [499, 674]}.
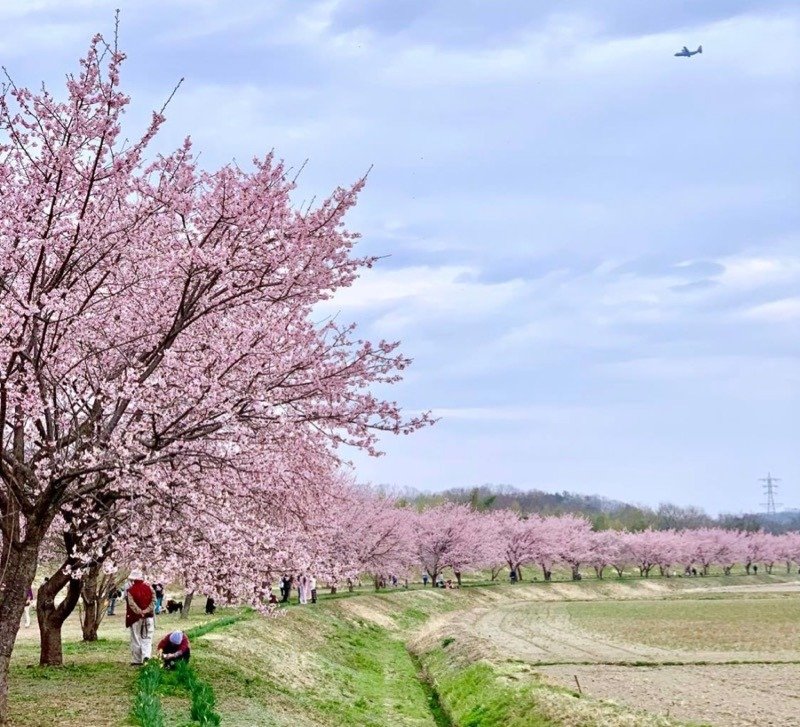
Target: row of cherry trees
{"type": "Point", "coordinates": [170, 397]}
{"type": "Point", "coordinates": [456, 537]}
{"type": "Point", "coordinates": [352, 532]}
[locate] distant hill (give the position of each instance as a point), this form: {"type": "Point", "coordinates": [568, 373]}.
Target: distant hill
{"type": "Point", "coordinates": [604, 512]}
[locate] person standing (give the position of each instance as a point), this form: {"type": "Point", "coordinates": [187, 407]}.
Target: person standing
{"type": "Point", "coordinates": [302, 589]}
{"type": "Point", "coordinates": [26, 614]}
{"type": "Point", "coordinates": [140, 601]}
{"type": "Point", "coordinates": [159, 591]}
{"type": "Point", "coordinates": [113, 594]}
{"type": "Point", "coordinates": [312, 583]}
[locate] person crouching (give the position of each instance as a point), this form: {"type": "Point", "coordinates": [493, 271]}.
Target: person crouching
{"type": "Point", "coordinates": [173, 648]}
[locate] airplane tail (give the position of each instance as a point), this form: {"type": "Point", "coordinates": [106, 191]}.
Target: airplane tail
{"type": "Point", "coordinates": [699, 48]}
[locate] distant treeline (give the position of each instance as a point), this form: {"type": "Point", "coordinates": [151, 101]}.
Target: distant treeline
{"type": "Point", "coordinates": [603, 512]}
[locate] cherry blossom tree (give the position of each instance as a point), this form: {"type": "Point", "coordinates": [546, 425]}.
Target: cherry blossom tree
{"type": "Point", "coordinates": [671, 546]}
{"type": "Point", "coordinates": [622, 556]}
{"type": "Point", "coordinates": [573, 540]}
{"type": "Point", "coordinates": [364, 532]}
{"type": "Point", "coordinates": [605, 549]}
{"type": "Point", "coordinates": [645, 549]}
{"type": "Point", "coordinates": [514, 538]}
{"type": "Point", "coordinates": [450, 536]}
{"type": "Point", "coordinates": [545, 549]}
{"type": "Point", "coordinates": [155, 318]}
{"type": "Point", "coordinates": [789, 547]}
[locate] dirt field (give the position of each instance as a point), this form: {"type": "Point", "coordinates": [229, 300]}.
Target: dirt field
{"type": "Point", "coordinates": [617, 651]}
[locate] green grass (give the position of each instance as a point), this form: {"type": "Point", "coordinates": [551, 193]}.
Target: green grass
{"type": "Point", "coordinates": [153, 680]}
{"type": "Point", "coordinates": [473, 696]}
{"type": "Point", "coordinates": [317, 666]}
{"type": "Point", "coordinates": [345, 660]}
{"type": "Point", "coordinates": [96, 686]}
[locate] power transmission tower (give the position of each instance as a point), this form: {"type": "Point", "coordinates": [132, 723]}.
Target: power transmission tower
{"type": "Point", "coordinates": [770, 488]}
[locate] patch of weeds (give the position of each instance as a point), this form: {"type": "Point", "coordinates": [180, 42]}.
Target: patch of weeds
{"type": "Point", "coordinates": [447, 641]}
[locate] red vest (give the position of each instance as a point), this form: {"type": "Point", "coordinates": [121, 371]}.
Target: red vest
{"type": "Point", "coordinates": [140, 600]}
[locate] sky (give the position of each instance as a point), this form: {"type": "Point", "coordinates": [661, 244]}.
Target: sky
{"type": "Point", "coordinates": [590, 247]}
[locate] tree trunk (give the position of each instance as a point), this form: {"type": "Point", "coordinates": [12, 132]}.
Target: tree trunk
{"type": "Point", "coordinates": [187, 604]}
{"type": "Point", "coordinates": [548, 574]}
{"type": "Point", "coordinates": [598, 569]}
{"type": "Point", "coordinates": [458, 577]}
{"type": "Point", "coordinates": [94, 589]}
{"type": "Point", "coordinates": [20, 568]}
{"type": "Point", "coordinates": [747, 568]}
{"type": "Point", "coordinates": [333, 590]}
{"type": "Point", "coordinates": [576, 576]}
{"type": "Point", "coordinates": [519, 572]}
{"type": "Point", "coordinates": [51, 617]}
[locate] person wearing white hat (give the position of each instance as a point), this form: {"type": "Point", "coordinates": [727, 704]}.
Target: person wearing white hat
{"type": "Point", "coordinates": [140, 601]}
{"type": "Point", "coordinates": [173, 648]}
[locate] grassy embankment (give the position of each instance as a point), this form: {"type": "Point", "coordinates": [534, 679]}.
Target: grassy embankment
{"type": "Point", "coordinates": [343, 661]}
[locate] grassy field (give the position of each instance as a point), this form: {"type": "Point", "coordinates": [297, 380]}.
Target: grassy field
{"type": "Point", "coordinates": [416, 657]}
{"type": "Point", "coordinates": [743, 624]}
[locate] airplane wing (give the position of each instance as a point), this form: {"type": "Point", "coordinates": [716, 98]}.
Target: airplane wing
{"type": "Point", "coordinates": [686, 50]}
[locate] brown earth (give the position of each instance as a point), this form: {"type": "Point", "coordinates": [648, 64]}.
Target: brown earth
{"type": "Point", "coordinates": [542, 636]}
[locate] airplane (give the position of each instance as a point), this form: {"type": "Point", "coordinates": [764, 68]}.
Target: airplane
{"type": "Point", "coordinates": [686, 53]}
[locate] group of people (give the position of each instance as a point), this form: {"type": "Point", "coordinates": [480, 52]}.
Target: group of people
{"type": "Point", "coordinates": [440, 582]}
{"type": "Point", "coordinates": [305, 584]}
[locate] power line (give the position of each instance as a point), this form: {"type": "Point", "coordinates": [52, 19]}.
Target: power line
{"type": "Point", "coordinates": [770, 488]}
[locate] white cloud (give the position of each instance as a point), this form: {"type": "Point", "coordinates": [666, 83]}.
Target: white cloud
{"type": "Point", "coordinates": [748, 272]}
{"type": "Point", "coordinates": [432, 291]}
{"type": "Point", "coordinates": [776, 311]}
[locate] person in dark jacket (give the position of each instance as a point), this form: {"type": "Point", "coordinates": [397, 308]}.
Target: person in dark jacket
{"type": "Point", "coordinates": [159, 591]}
{"type": "Point", "coordinates": [211, 606]}
{"type": "Point", "coordinates": [173, 648]}
{"type": "Point", "coordinates": [113, 594]}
